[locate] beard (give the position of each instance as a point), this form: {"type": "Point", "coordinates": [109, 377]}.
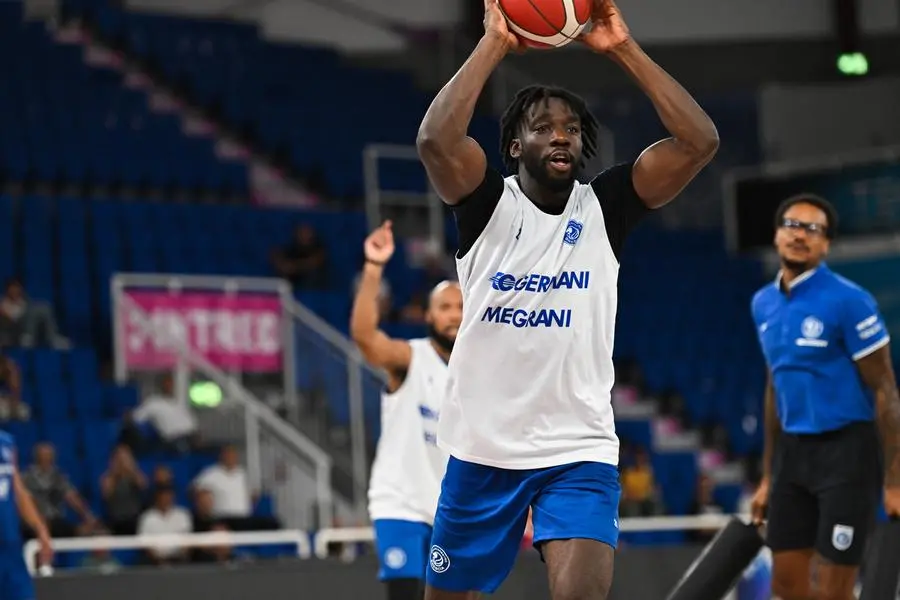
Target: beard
{"type": "Point", "coordinates": [539, 170]}
{"type": "Point", "coordinates": [443, 341]}
{"type": "Point", "coordinates": [797, 266]}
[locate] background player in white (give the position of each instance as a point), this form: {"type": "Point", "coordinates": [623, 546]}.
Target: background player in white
{"type": "Point", "coordinates": [406, 475]}
{"type": "Point", "coordinates": [527, 418]}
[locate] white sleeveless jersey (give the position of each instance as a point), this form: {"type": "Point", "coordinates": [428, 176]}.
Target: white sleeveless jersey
{"type": "Point", "coordinates": [531, 372]}
{"type": "Point", "coordinates": [408, 469]}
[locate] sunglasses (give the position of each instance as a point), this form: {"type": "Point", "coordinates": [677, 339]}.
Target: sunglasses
{"type": "Point", "coordinates": [810, 228]}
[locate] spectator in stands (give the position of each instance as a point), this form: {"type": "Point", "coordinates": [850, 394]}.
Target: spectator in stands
{"type": "Point", "coordinates": [205, 520]}
{"type": "Point", "coordinates": [204, 510]}
{"type": "Point", "coordinates": [162, 477]}
{"type": "Point", "coordinates": [226, 481]}
{"type": "Point", "coordinates": [639, 494]}
{"type": "Point", "coordinates": [705, 504]}
{"type": "Point", "coordinates": [171, 420]}
{"type": "Point", "coordinates": [165, 517]}
{"type": "Point", "coordinates": [231, 496]}
{"type": "Point", "coordinates": [11, 405]}
{"type": "Point", "coordinates": [52, 491]}
{"type": "Point", "coordinates": [222, 553]}
{"type": "Point", "coordinates": [304, 261]}
{"type": "Point", "coordinates": [26, 322]}
{"type": "Point", "coordinates": [122, 488]}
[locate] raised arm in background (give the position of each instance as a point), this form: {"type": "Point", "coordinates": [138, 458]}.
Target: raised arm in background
{"type": "Point", "coordinates": [379, 349]}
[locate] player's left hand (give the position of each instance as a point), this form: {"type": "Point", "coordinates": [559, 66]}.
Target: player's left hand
{"type": "Point", "coordinates": [892, 501]}
{"type": "Point", "coordinates": [608, 29]}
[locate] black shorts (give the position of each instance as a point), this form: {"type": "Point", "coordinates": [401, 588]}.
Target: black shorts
{"type": "Point", "coordinates": [825, 492]}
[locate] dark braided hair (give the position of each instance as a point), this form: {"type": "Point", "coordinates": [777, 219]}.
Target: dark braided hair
{"type": "Point", "coordinates": [527, 97]}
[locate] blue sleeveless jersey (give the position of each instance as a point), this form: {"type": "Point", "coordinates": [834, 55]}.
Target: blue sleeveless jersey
{"type": "Point", "coordinates": [9, 514]}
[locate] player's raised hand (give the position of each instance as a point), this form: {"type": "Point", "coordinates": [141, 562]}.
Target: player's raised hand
{"type": "Point", "coordinates": [759, 503]}
{"type": "Point", "coordinates": [379, 246]}
{"type": "Point", "coordinates": [495, 23]}
{"type": "Point", "coordinates": [892, 501]}
{"type": "Point", "coordinates": [608, 29]}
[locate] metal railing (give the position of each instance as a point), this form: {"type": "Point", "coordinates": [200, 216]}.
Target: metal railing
{"type": "Point", "coordinates": [295, 470]}
{"type": "Point", "coordinates": [323, 538]}
{"type": "Point", "coordinates": [330, 366]}
{"type": "Point", "coordinates": [177, 540]}
{"type": "Point", "coordinates": [379, 198]}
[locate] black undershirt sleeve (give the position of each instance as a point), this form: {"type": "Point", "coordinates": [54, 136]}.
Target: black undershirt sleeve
{"type": "Point", "coordinates": [473, 212]}
{"type": "Point", "coordinates": [622, 208]}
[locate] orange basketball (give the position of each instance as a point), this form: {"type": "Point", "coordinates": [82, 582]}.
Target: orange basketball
{"type": "Point", "coordinates": [546, 23]}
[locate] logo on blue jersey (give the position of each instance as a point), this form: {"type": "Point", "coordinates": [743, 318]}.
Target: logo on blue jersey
{"type": "Point", "coordinates": [439, 560]}
{"type": "Point", "coordinates": [539, 283]}
{"type": "Point", "coordinates": [573, 232]}
{"type": "Point", "coordinates": [519, 318]}
{"type": "Point", "coordinates": [812, 327]}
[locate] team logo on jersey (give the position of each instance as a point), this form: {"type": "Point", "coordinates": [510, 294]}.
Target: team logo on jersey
{"type": "Point", "coordinates": [573, 232]}
{"type": "Point", "coordinates": [842, 537]}
{"type": "Point", "coordinates": [811, 328]}
{"type": "Point", "coordinates": [395, 558]}
{"type": "Point", "coordinates": [439, 560]}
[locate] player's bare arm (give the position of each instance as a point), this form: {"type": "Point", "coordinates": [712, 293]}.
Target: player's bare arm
{"type": "Point", "coordinates": [379, 349]}
{"type": "Point", "coordinates": [455, 162]}
{"type": "Point", "coordinates": [878, 374]}
{"type": "Point", "coordinates": [666, 167]}
{"type": "Point", "coordinates": [29, 513]}
{"type": "Point", "coordinates": [771, 433]}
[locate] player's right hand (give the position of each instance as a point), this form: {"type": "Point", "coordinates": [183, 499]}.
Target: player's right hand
{"type": "Point", "coordinates": [379, 246]}
{"type": "Point", "coordinates": [495, 24]}
{"type": "Point", "coordinates": [760, 502]}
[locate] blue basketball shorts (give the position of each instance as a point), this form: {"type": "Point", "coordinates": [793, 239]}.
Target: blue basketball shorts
{"type": "Point", "coordinates": [15, 580]}
{"type": "Point", "coordinates": [482, 513]}
{"type": "Point", "coordinates": [402, 548]}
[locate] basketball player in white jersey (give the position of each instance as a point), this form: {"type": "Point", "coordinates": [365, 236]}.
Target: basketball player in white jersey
{"type": "Point", "coordinates": [527, 418]}
{"type": "Point", "coordinates": [406, 476]}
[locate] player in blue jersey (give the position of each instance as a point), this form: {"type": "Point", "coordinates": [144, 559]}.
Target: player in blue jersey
{"type": "Point", "coordinates": [831, 397]}
{"type": "Point", "coordinates": [16, 502]}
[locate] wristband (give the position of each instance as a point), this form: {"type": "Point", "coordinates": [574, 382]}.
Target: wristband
{"type": "Point", "coordinates": [375, 262]}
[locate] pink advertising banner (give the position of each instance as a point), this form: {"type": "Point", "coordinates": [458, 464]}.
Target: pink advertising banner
{"type": "Point", "coordinates": [233, 331]}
